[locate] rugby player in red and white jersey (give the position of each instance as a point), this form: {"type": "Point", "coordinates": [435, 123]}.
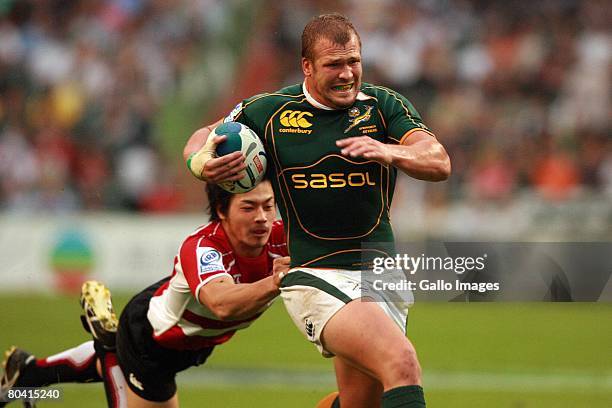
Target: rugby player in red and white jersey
{"type": "Point", "coordinates": [225, 275]}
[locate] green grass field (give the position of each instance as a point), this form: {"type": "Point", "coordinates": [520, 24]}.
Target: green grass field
{"type": "Point", "coordinates": [511, 355]}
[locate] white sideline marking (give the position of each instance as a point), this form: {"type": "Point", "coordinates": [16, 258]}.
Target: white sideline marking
{"type": "Point", "coordinates": [433, 380]}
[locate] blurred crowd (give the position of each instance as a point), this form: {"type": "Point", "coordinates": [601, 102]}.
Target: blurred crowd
{"type": "Point", "coordinates": [519, 92]}
{"type": "Point", "coordinates": [81, 84]}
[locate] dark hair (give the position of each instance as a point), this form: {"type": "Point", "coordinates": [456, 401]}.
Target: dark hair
{"type": "Point", "coordinates": [218, 201]}
{"type": "Point", "coordinates": [334, 27]}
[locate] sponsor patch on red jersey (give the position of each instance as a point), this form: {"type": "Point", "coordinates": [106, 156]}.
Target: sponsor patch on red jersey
{"type": "Point", "coordinates": [209, 260]}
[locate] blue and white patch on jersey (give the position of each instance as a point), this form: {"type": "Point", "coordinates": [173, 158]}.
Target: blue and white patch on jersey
{"type": "Point", "coordinates": [209, 260]}
{"type": "Point", "coordinates": [233, 114]}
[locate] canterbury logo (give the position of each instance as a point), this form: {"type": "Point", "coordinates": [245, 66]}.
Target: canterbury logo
{"type": "Point", "coordinates": [296, 119]}
{"type": "Point", "coordinates": [135, 382]}
{"type": "Point", "coordinates": [310, 329]}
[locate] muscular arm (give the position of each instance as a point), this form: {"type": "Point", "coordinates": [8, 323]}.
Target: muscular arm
{"type": "Point", "coordinates": [236, 301]}
{"type": "Point", "coordinates": [420, 155]}
{"type": "Point", "coordinates": [198, 138]}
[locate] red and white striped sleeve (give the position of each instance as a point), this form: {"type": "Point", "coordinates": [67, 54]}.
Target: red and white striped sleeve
{"type": "Point", "coordinates": [201, 261]}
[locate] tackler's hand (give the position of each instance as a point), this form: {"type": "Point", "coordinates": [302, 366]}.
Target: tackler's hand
{"type": "Point", "coordinates": [280, 269]}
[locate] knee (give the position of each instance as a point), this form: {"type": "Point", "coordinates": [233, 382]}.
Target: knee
{"type": "Point", "coordinates": [403, 369]}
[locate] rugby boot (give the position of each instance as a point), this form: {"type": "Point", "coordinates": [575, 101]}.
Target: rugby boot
{"type": "Point", "coordinates": [99, 318]}
{"type": "Point", "coordinates": [15, 361]}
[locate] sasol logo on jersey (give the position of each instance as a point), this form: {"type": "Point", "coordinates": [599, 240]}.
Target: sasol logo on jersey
{"type": "Point", "coordinates": [295, 122]}
{"type": "Point", "coordinates": [334, 180]}
{"type": "Point", "coordinates": [209, 260]}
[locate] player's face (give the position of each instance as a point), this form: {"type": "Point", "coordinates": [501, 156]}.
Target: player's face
{"type": "Point", "coordinates": [249, 219]}
{"type": "Point", "coordinates": [333, 76]}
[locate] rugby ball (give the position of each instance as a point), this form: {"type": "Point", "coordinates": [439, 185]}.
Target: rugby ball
{"type": "Point", "coordinates": [241, 138]}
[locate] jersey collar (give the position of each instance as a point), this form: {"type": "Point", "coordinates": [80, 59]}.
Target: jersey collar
{"type": "Point", "coordinates": [312, 100]}
{"type": "Point", "coordinates": [360, 97]}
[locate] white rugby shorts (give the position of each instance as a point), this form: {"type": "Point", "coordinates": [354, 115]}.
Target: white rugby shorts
{"type": "Point", "coordinates": [313, 296]}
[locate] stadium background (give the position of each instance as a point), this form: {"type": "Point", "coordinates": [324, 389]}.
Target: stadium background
{"type": "Point", "coordinates": [98, 97]}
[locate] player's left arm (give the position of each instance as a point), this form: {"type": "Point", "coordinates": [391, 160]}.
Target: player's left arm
{"type": "Point", "coordinates": [420, 155]}
{"type": "Point", "coordinates": [234, 301]}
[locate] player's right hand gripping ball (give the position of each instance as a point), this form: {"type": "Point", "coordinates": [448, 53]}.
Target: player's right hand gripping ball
{"type": "Point", "coordinates": [241, 138]}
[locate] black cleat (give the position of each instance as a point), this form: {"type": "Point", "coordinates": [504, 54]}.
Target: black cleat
{"type": "Point", "coordinates": [99, 319]}
{"type": "Point", "coordinates": [15, 360]}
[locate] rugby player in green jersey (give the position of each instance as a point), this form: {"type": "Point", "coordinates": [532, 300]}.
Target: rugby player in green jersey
{"type": "Point", "coordinates": [334, 146]}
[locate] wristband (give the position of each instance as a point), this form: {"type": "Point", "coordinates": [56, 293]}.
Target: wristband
{"type": "Point", "coordinates": [197, 160]}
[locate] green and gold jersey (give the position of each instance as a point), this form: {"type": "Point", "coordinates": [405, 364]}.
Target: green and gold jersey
{"type": "Point", "coordinates": [331, 204]}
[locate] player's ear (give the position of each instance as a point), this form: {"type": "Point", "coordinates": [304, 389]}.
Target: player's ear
{"type": "Point", "coordinates": [220, 214]}
{"type": "Point", "coordinates": [306, 67]}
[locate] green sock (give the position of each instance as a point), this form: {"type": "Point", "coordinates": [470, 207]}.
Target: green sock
{"type": "Point", "coordinates": [407, 396]}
